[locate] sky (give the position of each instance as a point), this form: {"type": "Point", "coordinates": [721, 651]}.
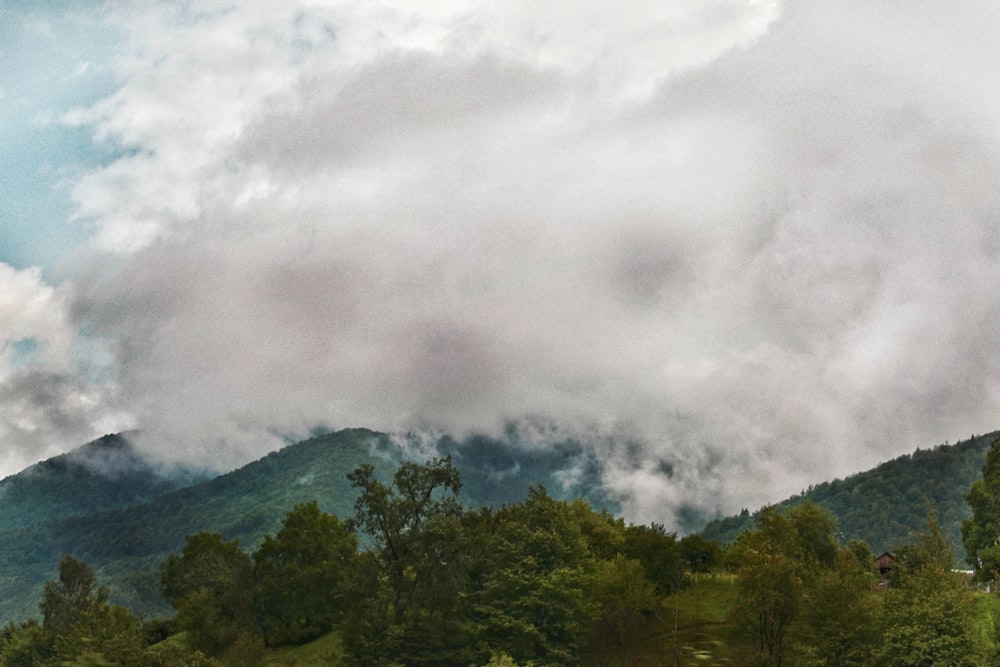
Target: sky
{"type": "Point", "coordinates": [735, 247]}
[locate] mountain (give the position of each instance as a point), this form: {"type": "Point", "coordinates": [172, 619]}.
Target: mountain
{"type": "Point", "coordinates": [102, 475]}
{"type": "Point", "coordinates": [107, 505]}
{"type": "Point", "coordinates": [886, 505]}
{"type": "Point", "coordinates": [126, 544]}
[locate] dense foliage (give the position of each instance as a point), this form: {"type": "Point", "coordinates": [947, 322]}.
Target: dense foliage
{"type": "Point", "coordinates": [437, 583]}
{"type": "Point", "coordinates": [415, 577]}
{"type": "Point", "coordinates": [981, 530]}
{"type": "Point", "coordinates": [50, 506]}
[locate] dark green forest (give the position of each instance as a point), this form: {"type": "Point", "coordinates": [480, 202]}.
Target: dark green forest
{"type": "Point", "coordinates": [413, 576]}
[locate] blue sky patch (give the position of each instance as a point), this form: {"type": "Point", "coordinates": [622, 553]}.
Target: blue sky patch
{"type": "Point", "coordinates": [56, 57]}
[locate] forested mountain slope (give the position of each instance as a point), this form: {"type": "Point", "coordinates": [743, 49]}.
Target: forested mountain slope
{"type": "Point", "coordinates": [885, 505]}
{"type": "Point", "coordinates": [102, 475]}
{"type": "Point", "coordinates": [126, 545]}
{"type": "Point", "coordinates": [89, 503]}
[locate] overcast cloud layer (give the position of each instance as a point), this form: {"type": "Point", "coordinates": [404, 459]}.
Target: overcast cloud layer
{"type": "Point", "coordinates": [736, 247]}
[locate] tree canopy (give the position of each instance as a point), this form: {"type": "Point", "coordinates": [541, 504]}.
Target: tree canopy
{"type": "Point", "coordinates": [414, 577]}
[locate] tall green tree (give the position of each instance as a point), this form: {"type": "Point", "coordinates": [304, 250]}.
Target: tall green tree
{"type": "Point", "coordinates": [839, 624]}
{"type": "Point", "coordinates": [816, 529]}
{"type": "Point", "coordinates": [660, 554]}
{"type": "Point", "coordinates": [625, 597]}
{"type": "Point", "coordinates": [699, 554]}
{"type": "Point", "coordinates": [981, 531]}
{"type": "Point", "coordinates": [80, 626]}
{"type": "Point", "coordinates": [776, 563]}
{"type": "Point", "coordinates": [928, 618]}
{"type": "Point", "coordinates": [66, 600]}
{"type": "Point", "coordinates": [409, 584]}
{"type": "Point", "coordinates": [105, 634]}
{"type": "Point", "coordinates": [302, 575]}
{"type": "Point", "coordinates": [25, 645]}
{"type": "Point", "coordinates": [531, 595]}
{"type": "Point", "coordinates": [210, 584]}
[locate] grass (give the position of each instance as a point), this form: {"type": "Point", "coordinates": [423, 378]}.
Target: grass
{"type": "Point", "coordinates": [693, 627]}
{"type": "Point", "coordinates": [698, 626]}
{"type": "Point", "coordinates": [324, 651]}
{"type": "Point", "coordinates": [986, 623]}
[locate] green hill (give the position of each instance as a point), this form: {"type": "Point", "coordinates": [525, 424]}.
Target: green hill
{"type": "Point", "coordinates": [884, 506]}
{"type": "Point", "coordinates": [103, 475]}
{"type": "Point", "coordinates": [125, 545]}
{"type": "Point", "coordinates": [104, 504]}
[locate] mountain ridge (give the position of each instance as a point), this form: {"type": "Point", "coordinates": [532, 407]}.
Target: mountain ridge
{"type": "Point", "coordinates": [105, 474]}
{"type": "Point", "coordinates": [886, 505]}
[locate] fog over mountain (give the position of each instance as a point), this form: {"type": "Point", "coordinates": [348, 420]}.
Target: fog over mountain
{"type": "Point", "coordinates": [734, 247]}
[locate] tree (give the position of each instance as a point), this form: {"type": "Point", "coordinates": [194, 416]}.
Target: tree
{"type": "Point", "coordinates": [981, 531]}
{"type": "Point", "coordinates": [410, 583]}
{"type": "Point", "coordinates": [625, 596]}
{"type": "Point", "coordinates": [24, 645]}
{"type": "Point", "coordinates": [862, 553]}
{"type": "Point", "coordinates": [301, 575]}
{"type": "Point", "coordinates": [929, 616]}
{"type": "Point", "coordinates": [604, 532]}
{"type": "Point", "coordinates": [211, 586]}
{"type": "Point", "coordinates": [839, 625]}
{"type": "Point", "coordinates": [660, 554]}
{"type": "Point", "coordinates": [65, 601]}
{"type": "Point", "coordinates": [396, 516]}
{"type": "Point", "coordinates": [531, 591]}
{"type": "Point", "coordinates": [771, 594]}
{"type": "Point", "coordinates": [104, 634]}
{"type": "Point", "coordinates": [79, 625]}
{"type": "Point", "coordinates": [776, 563]}
{"type": "Point", "coordinates": [698, 553]}
{"type": "Point", "coordinates": [816, 529]}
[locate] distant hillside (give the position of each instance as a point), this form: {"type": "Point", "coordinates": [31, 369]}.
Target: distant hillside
{"type": "Point", "coordinates": [126, 545]}
{"type": "Point", "coordinates": [103, 475]}
{"type": "Point", "coordinates": [497, 471]}
{"type": "Point", "coordinates": [886, 505]}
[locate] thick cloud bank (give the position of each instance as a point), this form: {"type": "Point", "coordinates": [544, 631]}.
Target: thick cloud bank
{"type": "Point", "coordinates": [735, 247]}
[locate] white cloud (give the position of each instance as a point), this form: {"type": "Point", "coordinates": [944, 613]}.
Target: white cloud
{"type": "Point", "coordinates": [47, 404]}
{"type": "Point", "coordinates": [754, 242]}
{"type": "Point", "coordinates": [32, 310]}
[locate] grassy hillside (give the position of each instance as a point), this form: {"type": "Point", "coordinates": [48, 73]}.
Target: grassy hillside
{"type": "Point", "coordinates": [885, 505]}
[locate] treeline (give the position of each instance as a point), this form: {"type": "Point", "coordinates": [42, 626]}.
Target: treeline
{"type": "Point", "coordinates": [412, 578]}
